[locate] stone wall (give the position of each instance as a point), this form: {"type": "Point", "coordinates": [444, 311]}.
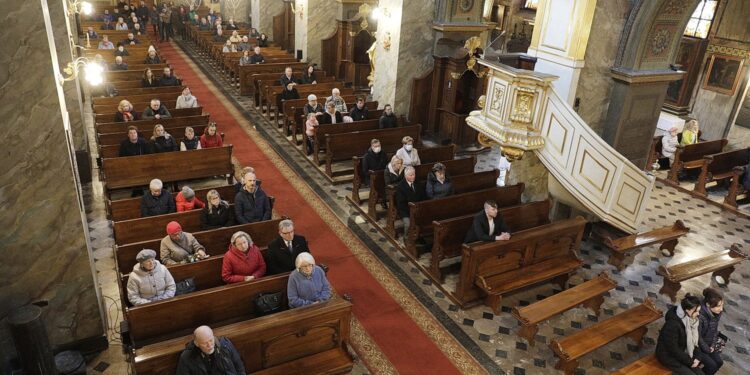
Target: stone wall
{"type": "Point", "coordinates": [301, 27]}
{"type": "Point", "coordinates": [386, 61]}
{"type": "Point", "coordinates": [321, 24]}
{"type": "Point", "coordinates": [239, 14]}
{"type": "Point", "coordinates": [595, 82]}
{"type": "Point", "coordinates": [43, 242]}
{"type": "Point", "coordinates": [263, 12]}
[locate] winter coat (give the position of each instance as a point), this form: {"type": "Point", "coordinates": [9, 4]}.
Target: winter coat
{"type": "Point", "coordinates": [165, 143]}
{"type": "Point", "coordinates": [435, 189]}
{"type": "Point", "coordinates": [211, 141]}
{"type": "Point", "coordinates": [140, 147]}
{"type": "Point", "coordinates": [708, 328]}
{"type": "Point", "coordinates": [186, 205]}
{"type": "Point", "coordinates": [226, 359]}
{"type": "Point", "coordinates": [410, 158]}
{"type": "Point", "coordinates": [359, 114]}
{"type": "Point", "coordinates": [252, 207]}
{"type": "Point", "coordinates": [236, 264]}
{"type": "Point", "coordinates": [373, 162]}
{"type": "Point", "coordinates": [190, 144]}
{"type": "Point", "coordinates": [147, 286]}
{"type": "Point", "coordinates": [172, 252]}
{"type": "Point", "coordinates": [303, 290]}
{"type": "Point", "coordinates": [149, 113]}
{"type": "Point", "coordinates": [186, 102]}
{"type": "Point", "coordinates": [387, 122]}
{"type": "Point", "coordinates": [671, 346]}
{"type": "Point", "coordinates": [152, 206]}
{"type": "Point", "coordinates": [223, 216]}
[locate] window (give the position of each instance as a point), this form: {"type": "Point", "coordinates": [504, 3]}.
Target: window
{"type": "Point", "coordinates": [700, 21]}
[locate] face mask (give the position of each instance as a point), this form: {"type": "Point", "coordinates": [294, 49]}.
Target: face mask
{"type": "Point", "coordinates": [121, 48]}
{"type": "Point", "coordinates": [376, 150]}
{"type": "Point", "coordinates": [408, 147]}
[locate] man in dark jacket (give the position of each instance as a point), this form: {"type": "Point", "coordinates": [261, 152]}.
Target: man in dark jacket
{"type": "Point", "coordinates": [168, 79]}
{"type": "Point", "coordinates": [251, 204]}
{"type": "Point", "coordinates": [359, 112]}
{"type": "Point", "coordinates": [288, 77]}
{"type": "Point", "coordinates": [388, 119]}
{"type": "Point", "coordinates": [488, 226]}
{"type": "Point", "coordinates": [373, 160]}
{"type": "Point", "coordinates": [257, 58]}
{"type": "Point", "coordinates": [207, 355]}
{"type": "Point", "coordinates": [283, 250]}
{"type": "Point", "coordinates": [157, 201]}
{"type": "Point", "coordinates": [134, 145]}
{"type": "Point", "coordinates": [672, 345]}
{"type": "Point", "coordinates": [407, 191]}
{"type": "Point", "coordinates": [156, 110]}
{"type": "Point", "coordinates": [331, 115]}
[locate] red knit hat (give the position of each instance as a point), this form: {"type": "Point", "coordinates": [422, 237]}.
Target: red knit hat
{"type": "Point", "coordinates": [173, 227]}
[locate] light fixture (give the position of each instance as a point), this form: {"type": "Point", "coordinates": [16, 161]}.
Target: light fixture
{"type": "Point", "coordinates": [93, 71]}
{"type": "Point", "coordinates": [77, 6]}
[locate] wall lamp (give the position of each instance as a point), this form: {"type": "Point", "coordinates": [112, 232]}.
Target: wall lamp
{"type": "Point", "coordinates": [93, 71]}
{"type": "Point", "coordinates": [77, 6]}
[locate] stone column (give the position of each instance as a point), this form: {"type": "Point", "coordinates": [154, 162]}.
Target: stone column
{"type": "Point", "coordinates": [44, 238]}
{"type": "Point", "coordinates": [559, 41]}
{"type": "Point", "coordinates": [399, 60]}
{"type": "Point", "coordinates": [263, 12]}
{"type": "Point", "coordinates": [634, 108]}
{"type": "Point", "coordinates": [314, 20]}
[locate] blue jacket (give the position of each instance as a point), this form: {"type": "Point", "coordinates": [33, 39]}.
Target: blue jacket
{"type": "Point", "coordinates": [252, 207]}
{"type": "Point", "coordinates": [303, 291]}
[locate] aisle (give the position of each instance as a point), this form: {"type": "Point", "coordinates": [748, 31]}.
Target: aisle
{"type": "Point", "coordinates": [408, 348]}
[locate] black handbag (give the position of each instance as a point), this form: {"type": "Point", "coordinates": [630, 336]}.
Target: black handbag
{"type": "Point", "coordinates": [267, 303]}
{"type": "Point", "coordinates": [185, 286]}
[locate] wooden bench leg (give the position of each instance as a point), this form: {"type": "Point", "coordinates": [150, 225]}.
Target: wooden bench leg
{"type": "Point", "coordinates": [595, 303]}
{"type": "Point", "coordinates": [669, 246]}
{"type": "Point", "coordinates": [617, 259]}
{"type": "Point", "coordinates": [637, 335]}
{"type": "Point", "coordinates": [435, 266]}
{"type": "Point", "coordinates": [670, 289]}
{"type": "Point", "coordinates": [493, 301]}
{"type": "Point", "coordinates": [529, 332]}
{"type": "Point", "coordinates": [724, 273]}
{"type": "Point", "coordinates": [568, 366]}
{"type": "Point", "coordinates": [562, 281]}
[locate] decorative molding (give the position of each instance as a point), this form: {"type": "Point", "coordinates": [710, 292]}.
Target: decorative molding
{"type": "Point", "coordinates": [458, 27]}
{"type": "Point", "coordinates": [714, 48]}
{"type": "Point", "coordinates": [646, 76]}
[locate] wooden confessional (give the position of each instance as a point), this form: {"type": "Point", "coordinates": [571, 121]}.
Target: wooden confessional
{"type": "Point", "coordinates": [344, 53]}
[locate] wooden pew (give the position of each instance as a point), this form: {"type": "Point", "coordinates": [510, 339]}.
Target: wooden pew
{"type": "Point", "coordinates": [547, 252]}
{"type": "Point", "coordinates": [125, 92]}
{"type": "Point", "coordinates": [113, 139]}
{"type": "Point", "coordinates": [296, 73]}
{"type": "Point", "coordinates": [145, 125]}
{"type": "Point", "coordinates": [467, 200]}
{"type": "Point", "coordinates": [721, 263]}
{"type": "Point", "coordinates": [647, 365]}
{"type": "Point", "coordinates": [183, 112]}
{"type": "Point", "coordinates": [146, 228]}
{"type": "Point", "coordinates": [632, 323]}
{"type": "Point", "coordinates": [294, 109]}
{"type": "Point", "coordinates": [246, 71]}
{"type": "Point", "coordinates": [666, 236]}
{"type": "Point", "coordinates": [135, 74]}
{"type": "Point", "coordinates": [125, 209]}
{"type": "Point", "coordinates": [719, 167]}
{"type": "Point", "coordinates": [216, 241]}
{"type": "Point", "coordinates": [167, 93]}
{"type": "Point", "coordinates": [448, 234]}
{"type": "Point", "coordinates": [135, 171]}
{"type": "Point", "coordinates": [340, 128]}
{"type": "Point", "coordinates": [428, 155]}
{"type": "Point", "coordinates": [590, 294]}
{"type": "Point", "coordinates": [345, 146]}
{"type": "Point", "coordinates": [735, 186]}
{"type": "Point", "coordinates": [691, 156]}
{"type": "Point", "coordinates": [138, 106]}
{"type": "Point", "coordinates": [308, 340]}
{"type": "Point", "coordinates": [270, 91]}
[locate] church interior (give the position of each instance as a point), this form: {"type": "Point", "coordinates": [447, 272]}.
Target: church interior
{"type": "Point", "coordinates": [486, 187]}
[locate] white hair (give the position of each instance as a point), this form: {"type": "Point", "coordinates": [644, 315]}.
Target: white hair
{"type": "Point", "coordinates": [239, 234]}
{"type": "Point", "coordinates": [304, 257]}
{"type": "Point", "coordinates": [155, 184]}
{"type": "Point", "coordinates": [286, 223]}
{"type": "Point", "coordinates": [312, 97]}
{"type": "Point", "coordinates": [409, 169]}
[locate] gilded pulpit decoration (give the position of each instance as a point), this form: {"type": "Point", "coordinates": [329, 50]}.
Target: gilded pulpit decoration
{"type": "Point", "coordinates": [371, 54]}
{"type": "Point", "coordinates": [522, 108]}
{"type": "Point", "coordinates": [471, 45]}
{"type": "Point", "coordinates": [364, 13]}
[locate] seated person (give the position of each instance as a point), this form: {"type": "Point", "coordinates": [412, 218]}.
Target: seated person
{"type": "Point", "coordinates": [245, 59]}
{"type": "Point", "coordinates": [106, 16]}
{"type": "Point", "coordinates": [152, 58]}
{"type": "Point", "coordinates": [156, 111]}
{"type": "Point", "coordinates": [235, 37]}
{"type": "Point", "coordinates": [253, 33]}
{"type": "Point", "coordinates": [231, 25]}
{"type": "Point", "coordinates": [228, 47]}
{"type": "Point", "coordinates": [408, 153]}
{"type": "Point", "coordinates": [284, 249]}
{"type": "Point", "coordinates": [244, 45]}
{"type": "Point", "coordinates": [121, 51]}
{"type": "Point", "coordinates": [288, 77]}
{"type": "Point", "coordinates": [216, 213]}
{"type": "Point", "coordinates": [311, 126]}
{"type": "Point", "coordinates": [243, 261]}
{"type": "Point", "coordinates": [263, 40]}
{"type": "Point", "coordinates": [289, 94]}
{"type": "Point", "coordinates": [121, 25]}
{"type": "Point", "coordinates": [125, 112]}
{"type": "Point", "coordinates": [135, 145]}
{"type": "Point", "coordinates": [219, 36]}
{"type": "Point", "coordinates": [208, 354]}
{"type": "Point", "coordinates": [211, 137]}
{"type": "Point", "coordinates": [308, 77]}
{"type": "Point", "coordinates": [118, 65]}
{"type": "Point", "coordinates": [669, 144]}
{"type": "Point", "coordinates": [711, 343]}
{"type": "Point", "coordinates": [307, 283]}
{"type": "Point", "coordinates": [331, 115]}
{"type": "Point", "coordinates": [388, 119]}
{"type": "Point", "coordinates": [251, 204]}
{"type": "Point", "coordinates": [161, 141]}
{"type": "Point", "coordinates": [107, 25]}
{"type": "Point", "coordinates": [679, 337]}
{"type": "Point", "coordinates": [313, 106]}
{"type": "Point", "coordinates": [239, 183]}
{"type": "Point", "coordinates": [257, 58]}
{"type": "Point", "coordinates": [488, 225]}
{"type": "Point", "coordinates": [438, 183]}
{"type": "Point", "coordinates": [186, 200]}
{"type": "Point", "coordinates": [150, 280]}
{"type": "Point", "coordinates": [149, 80]}
{"type": "Point", "coordinates": [337, 100]}
{"type": "Point", "coordinates": [690, 133]}
{"type": "Point", "coordinates": [131, 40]}
{"type": "Point", "coordinates": [190, 142]}
{"type": "Point", "coordinates": [137, 30]}
{"type": "Point", "coordinates": [407, 191]}
{"type": "Point", "coordinates": [169, 79]}
{"type": "Point", "coordinates": [105, 43]}
{"type": "Point", "coordinates": [204, 25]}
{"type": "Point", "coordinates": [360, 111]}
{"type": "Point", "coordinates": [179, 247]}
{"type": "Point", "coordinates": [394, 172]}
{"type": "Point", "coordinates": [373, 160]}
{"type": "Point", "coordinates": [158, 201]}
{"type": "Point", "coordinates": [91, 33]}
{"type": "Point", "coordinates": [186, 100]}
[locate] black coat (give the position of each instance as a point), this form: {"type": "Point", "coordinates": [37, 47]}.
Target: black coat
{"type": "Point", "coordinates": [326, 118]}
{"type": "Point", "coordinates": [480, 228]}
{"type": "Point", "coordinates": [387, 122]}
{"type": "Point", "coordinates": [257, 59]}
{"type": "Point", "coordinates": [392, 178]}
{"type": "Point", "coordinates": [405, 194]}
{"type": "Point", "coordinates": [671, 346]}
{"type": "Point", "coordinates": [316, 109]}
{"type": "Point", "coordinates": [154, 82]}
{"type": "Point", "coordinates": [373, 162]}
{"type": "Point", "coordinates": [359, 114]}
{"type": "Point", "coordinates": [220, 217]}
{"type": "Point", "coordinates": [140, 147]}
{"type": "Point", "coordinates": [307, 79]}
{"type": "Point", "coordinates": [434, 189]}
{"type": "Point", "coordinates": [226, 360]}
{"type": "Point", "coordinates": [252, 207]}
{"type": "Point", "coordinates": [278, 257]}
{"type": "Point", "coordinates": [164, 144]}
{"type": "Point", "coordinates": [285, 80]}
{"type": "Point", "coordinates": [169, 81]}
{"type": "Point", "coordinates": [152, 206]}
{"type": "Point", "coordinates": [708, 328]}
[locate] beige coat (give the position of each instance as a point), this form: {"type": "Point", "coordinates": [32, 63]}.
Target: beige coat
{"type": "Point", "coordinates": [172, 252]}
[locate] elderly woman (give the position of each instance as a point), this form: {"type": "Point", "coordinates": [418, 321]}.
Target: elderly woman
{"type": "Point", "coordinates": [307, 283]}
{"type": "Point", "coordinates": [216, 213]}
{"type": "Point", "coordinates": [669, 144]}
{"type": "Point", "coordinates": [438, 183]}
{"type": "Point", "coordinates": [243, 261]}
{"type": "Point", "coordinates": [394, 172]}
{"type": "Point", "coordinates": [186, 200]}
{"type": "Point", "coordinates": [235, 38]}
{"type": "Point", "coordinates": [190, 142]}
{"type": "Point", "coordinates": [161, 141]}
{"type": "Point", "coordinates": [311, 126]}
{"type": "Point", "coordinates": [337, 100]}
{"type": "Point", "coordinates": [229, 47]}
{"type": "Point", "coordinates": [408, 153]}
{"type": "Point", "coordinates": [211, 137]}
{"type": "Point", "coordinates": [313, 106]}
{"type": "Point", "coordinates": [690, 134]}
{"type": "Point", "coordinates": [125, 112]}
{"type": "Point", "coordinates": [179, 247]}
{"type": "Point", "coordinates": [679, 337]}
{"type": "Point", "coordinates": [186, 100]}
{"type": "Point", "coordinates": [150, 280]}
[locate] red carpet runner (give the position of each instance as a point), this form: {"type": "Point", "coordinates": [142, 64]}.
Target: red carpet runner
{"type": "Point", "coordinates": [408, 348]}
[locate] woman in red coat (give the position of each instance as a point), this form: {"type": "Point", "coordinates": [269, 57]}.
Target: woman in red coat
{"type": "Point", "coordinates": [210, 137]}
{"type": "Point", "coordinates": [243, 261]}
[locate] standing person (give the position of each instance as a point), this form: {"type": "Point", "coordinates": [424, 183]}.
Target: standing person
{"type": "Point", "coordinates": [678, 339]}
{"type": "Point", "coordinates": [208, 354]}
{"type": "Point", "coordinates": [284, 249]}
{"type": "Point", "coordinates": [311, 126]}
{"type": "Point", "coordinates": [153, 16]}
{"type": "Point", "coordinates": [711, 342]}
{"type": "Point", "coordinates": [166, 23]}
{"type": "Point", "coordinates": [504, 167]}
